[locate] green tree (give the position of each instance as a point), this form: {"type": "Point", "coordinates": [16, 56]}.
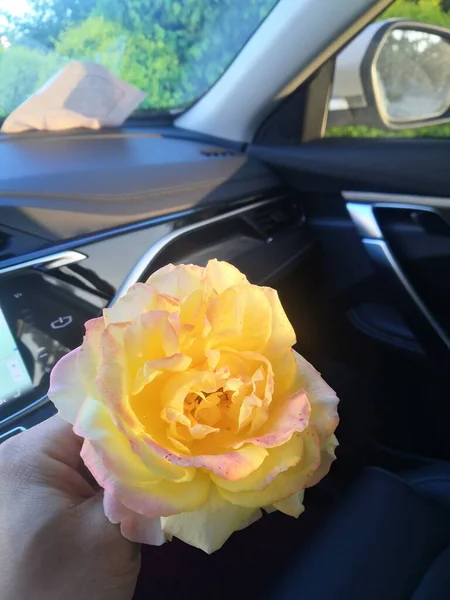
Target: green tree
{"type": "Point", "coordinates": [145, 63]}
{"type": "Point", "coordinates": [190, 30]}
{"type": "Point", "coordinates": [95, 39]}
{"type": "Point", "coordinates": [427, 11]}
{"type": "Point", "coordinates": [22, 71]}
{"type": "Point", "coordinates": [172, 49]}
{"type": "Point", "coordinates": [46, 19]}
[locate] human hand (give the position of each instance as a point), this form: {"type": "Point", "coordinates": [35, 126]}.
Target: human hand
{"type": "Point", "coordinates": [55, 541]}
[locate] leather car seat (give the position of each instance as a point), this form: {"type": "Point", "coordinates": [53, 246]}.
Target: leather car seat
{"type": "Point", "coordinates": [388, 540]}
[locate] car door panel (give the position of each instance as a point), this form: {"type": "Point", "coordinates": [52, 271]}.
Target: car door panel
{"type": "Point", "coordinates": [392, 194]}
{"type": "Point", "coordinates": [401, 166]}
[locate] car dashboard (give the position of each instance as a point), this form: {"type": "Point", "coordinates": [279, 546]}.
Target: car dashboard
{"type": "Point", "coordinates": [50, 288]}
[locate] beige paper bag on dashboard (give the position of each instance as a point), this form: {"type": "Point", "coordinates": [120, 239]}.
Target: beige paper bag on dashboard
{"type": "Point", "coordinates": [82, 94]}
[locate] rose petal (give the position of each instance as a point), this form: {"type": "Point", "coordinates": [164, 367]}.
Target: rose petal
{"type": "Point", "coordinates": [232, 465]}
{"type": "Point", "coordinates": [283, 334]}
{"type": "Point", "coordinates": [327, 457]}
{"type": "Point", "coordinates": [209, 527]}
{"type": "Point", "coordinates": [133, 526]}
{"type": "Point", "coordinates": [90, 353]}
{"type": "Point", "coordinates": [153, 488]}
{"type": "Point", "coordinates": [114, 451]}
{"type": "Point", "coordinates": [149, 498]}
{"type": "Point", "coordinates": [199, 432]}
{"type": "Point", "coordinates": [73, 377]}
{"type": "Point", "coordinates": [287, 483]}
{"type": "Point", "coordinates": [177, 281]}
{"type": "Point", "coordinates": [222, 275]}
{"type": "Point", "coordinates": [111, 379]}
{"type": "Point", "coordinates": [321, 396]}
{"type": "Point", "coordinates": [138, 300]}
{"type": "Point", "coordinates": [288, 417]}
{"type": "Point", "coordinates": [292, 506]}
{"type": "Point", "coordinates": [151, 336]}
{"type": "Point", "coordinates": [278, 460]}
{"type": "Point", "coordinates": [284, 374]}
{"type": "Point", "coordinates": [66, 386]}
{"type": "Point", "coordinates": [241, 318]}
{"type": "Point", "coordinates": [152, 368]}
{"type": "Point", "coordinates": [181, 384]}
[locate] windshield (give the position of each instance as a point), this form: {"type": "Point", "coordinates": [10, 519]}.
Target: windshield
{"type": "Point", "coordinates": [173, 50]}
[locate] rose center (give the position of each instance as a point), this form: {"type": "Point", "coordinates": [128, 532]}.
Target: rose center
{"type": "Point", "coordinates": [208, 408]}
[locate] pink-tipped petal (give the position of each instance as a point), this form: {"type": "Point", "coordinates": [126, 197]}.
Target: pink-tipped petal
{"type": "Point", "coordinates": [90, 352]}
{"type": "Point", "coordinates": [152, 488]}
{"type": "Point", "coordinates": [278, 460]}
{"type": "Point", "coordinates": [232, 465]}
{"type": "Point", "coordinates": [287, 483]}
{"type": "Point", "coordinates": [111, 374]}
{"type": "Point", "coordinates": [322, 398]}
{"type": "Point", "coordinates": [66, 386]}
{"type": "Point", "coordinates": [149, 498]}
{"type": "Point", "coordinates": [133, 526]}
{"type": "Point", "coordinates": [288, 417]}
{"type": "Point", "coordinates": [327, 457]}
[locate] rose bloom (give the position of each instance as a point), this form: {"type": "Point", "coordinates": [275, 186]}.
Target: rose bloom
{"type": "Point", "coordinates": [195, 410]}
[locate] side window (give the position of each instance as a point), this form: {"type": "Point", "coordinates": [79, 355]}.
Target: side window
{"type": "Point", "coordinates": [393, 80]}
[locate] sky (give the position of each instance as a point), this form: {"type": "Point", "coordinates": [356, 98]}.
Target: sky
{"type": "Point", "coordinates": [15, 7]}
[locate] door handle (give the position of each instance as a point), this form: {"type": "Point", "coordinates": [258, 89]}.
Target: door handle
{"type": "Point", "coordinates": [365, 221]}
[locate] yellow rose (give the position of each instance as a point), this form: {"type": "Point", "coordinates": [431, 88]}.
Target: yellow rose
{"type": "Point", "coordinates": [195, 410]}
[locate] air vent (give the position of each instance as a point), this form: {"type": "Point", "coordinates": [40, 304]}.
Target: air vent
{"type": "Point", "coordinates": [217, 152]}
{"type": "Point", "coordinates": [271, 219]}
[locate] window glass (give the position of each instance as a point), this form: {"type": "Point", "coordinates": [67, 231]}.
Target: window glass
{"type": "Point", "coordinates": [425, 61]}
{"type": "Point", "coordinates": [172, 49]}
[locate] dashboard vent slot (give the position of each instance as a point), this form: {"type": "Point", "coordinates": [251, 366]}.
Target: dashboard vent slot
{"type": "Point", "coordinates": [271, 219]}
{"type": "Point", "coordinates": [217, 152]}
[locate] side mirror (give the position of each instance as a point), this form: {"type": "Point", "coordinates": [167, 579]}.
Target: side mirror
{"type": "Point", "coordinates": [400, 71]}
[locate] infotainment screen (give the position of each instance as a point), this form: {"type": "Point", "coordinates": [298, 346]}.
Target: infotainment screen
{"type": "Point", "coordinates": [41, 319]}
{"type": "Point", "coordinates": [14, 376]}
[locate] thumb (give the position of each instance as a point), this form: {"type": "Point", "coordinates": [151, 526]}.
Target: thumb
{"type": "Point", "coordinates": [105, 532]}
{"type": "Point", "coordinates": [114, 560]}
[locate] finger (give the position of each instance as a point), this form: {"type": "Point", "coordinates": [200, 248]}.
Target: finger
{"type": "Point", "coordinates": [107, 533]}
{"type": "Point", "coordinates": [60, 432]}
{"type": "Point", "coordinates": [48, 454]}
{"type": "Point", "coordinates": [84, 471]}
{"type": "Point", "coordinates": [55, 438]}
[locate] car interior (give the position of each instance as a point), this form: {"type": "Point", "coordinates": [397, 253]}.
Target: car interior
{"type": "Point", "coordinates": [354, 234]}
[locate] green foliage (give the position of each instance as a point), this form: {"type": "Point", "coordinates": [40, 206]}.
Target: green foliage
{"type": "Point", "coordinates": [46, 19]}
{"type": "Point", "coordinates": [427, 11]}
{"type": "Point", "coordinates": [143, 62]}
{"type": "Point", "coordinates": [22, 71]}
{"type": "Point", "coordinates": [362, 131]}
{"type": "Point", "coordinates": [172, 49]}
